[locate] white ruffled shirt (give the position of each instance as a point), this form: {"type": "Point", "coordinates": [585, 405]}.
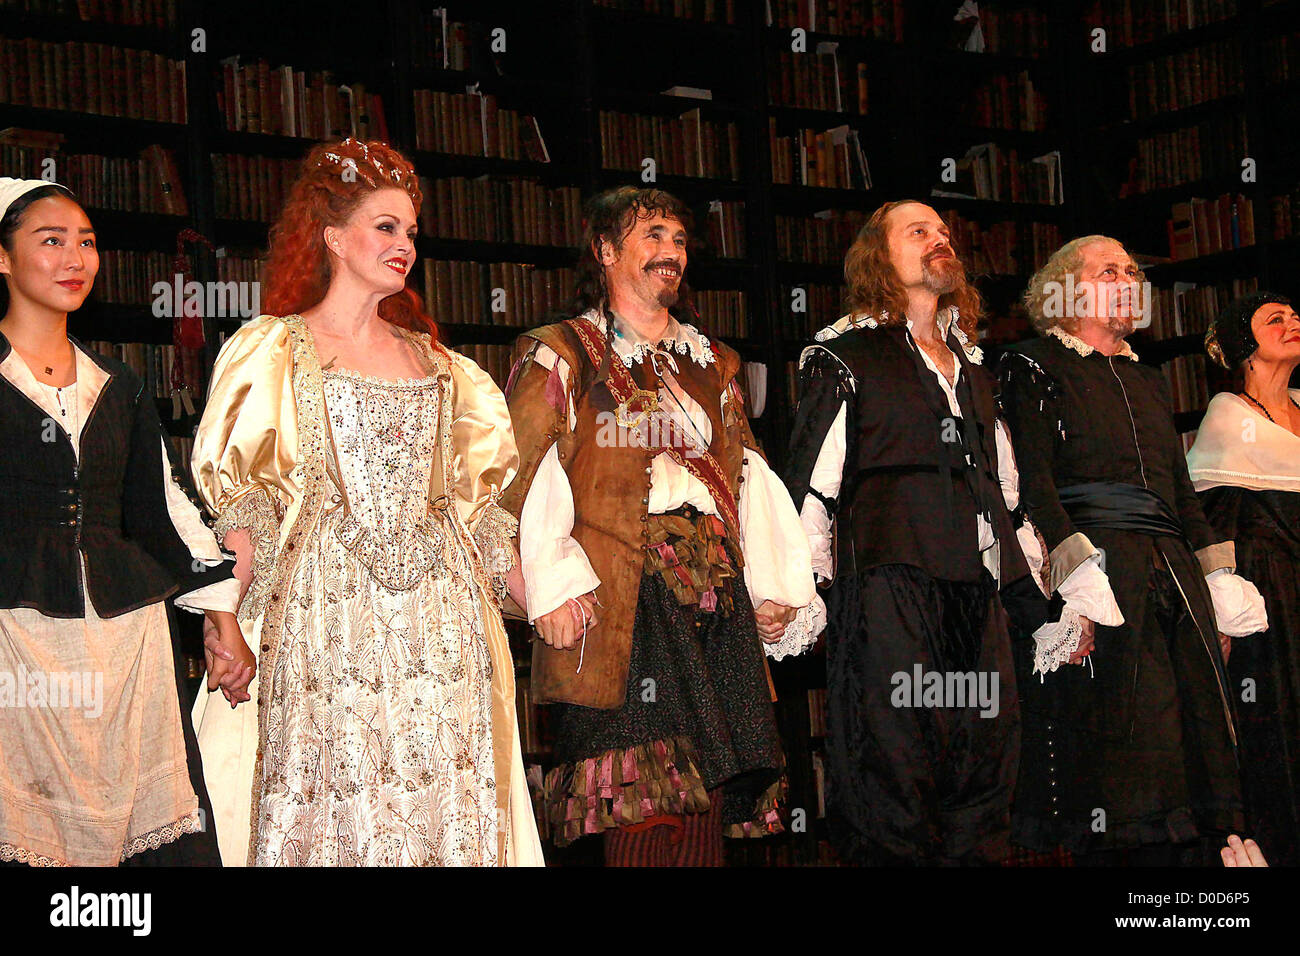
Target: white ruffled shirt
{"type": "Point", "coordinates": [1086, 591]}
{"type": "Point", "coordinates": [778, 563]}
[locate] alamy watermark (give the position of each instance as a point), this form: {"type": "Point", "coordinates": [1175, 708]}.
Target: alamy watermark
{"type": "Point", "coordinates": [922, 688]}
{"type": "Point", "coordinates": [1084, 299]}
{"type": "Point", "coordinates": [73, 690]}
{"type": "Point", "coordinates": [242, 300]}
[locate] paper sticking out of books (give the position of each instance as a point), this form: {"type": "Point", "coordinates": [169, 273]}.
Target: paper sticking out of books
{"type": "Point", "coordinates": [988, 171]}
{"type": "Point", "coordinates": [690, 92]}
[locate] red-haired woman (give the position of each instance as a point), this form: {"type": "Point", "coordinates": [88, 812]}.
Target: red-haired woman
{"type": "Point", "coordinates": [354, 466]}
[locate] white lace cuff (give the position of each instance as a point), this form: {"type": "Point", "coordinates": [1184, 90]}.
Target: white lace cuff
{"type": "Point", "coordinates": [1056, 641]}
{"type": "Point", "coordinates": [801, 633]}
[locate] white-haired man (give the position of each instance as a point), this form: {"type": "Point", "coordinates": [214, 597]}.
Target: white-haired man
{"type": "Point", "coordinates": [1133, 757]}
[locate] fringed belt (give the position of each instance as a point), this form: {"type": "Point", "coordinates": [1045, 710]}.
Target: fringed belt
{"type": "Point", "coordinates": [688, 550]}
{"type": "Point", "coordinates": [1112, 504]}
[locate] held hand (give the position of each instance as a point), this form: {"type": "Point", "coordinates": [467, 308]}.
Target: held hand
{"type": "Point", "coordinates": [1086, 641]}
{"type": "Point", "coordinates": [1238, 853]}
{"type": "Point", "coordinates": [771, 619]}
{"type": "Point", "coordinates": [231, 665]}
{"type": "Point", "coordinates": [1225, 645]}
{"type": "Point", "coordinates": [562, 628]}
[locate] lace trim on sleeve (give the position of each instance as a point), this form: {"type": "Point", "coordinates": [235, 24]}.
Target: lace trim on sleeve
{"type": "Point", "coordinates": [801, 633]}
{"type": "Point", "coordinates": [1055, 641]}
{"type": "Point", "coordinates": [255, 512]}
{"type": "Point", "coordinates": [496, 528]}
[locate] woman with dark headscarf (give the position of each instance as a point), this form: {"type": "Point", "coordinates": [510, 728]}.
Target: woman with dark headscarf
{"type": "Point", "coordinates": [1246, 465]}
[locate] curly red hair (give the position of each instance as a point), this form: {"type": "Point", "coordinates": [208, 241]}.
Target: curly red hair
{"type": "Point", "coordinates": [297, 271]}
{"type": "Point", "coordinates": [873, 285]}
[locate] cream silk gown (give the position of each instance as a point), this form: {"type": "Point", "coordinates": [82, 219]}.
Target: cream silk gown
{"type": "Point", "coordinates": [385, 733]}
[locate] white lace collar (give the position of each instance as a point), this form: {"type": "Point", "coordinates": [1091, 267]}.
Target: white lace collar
{"type": "Point", "coordinates": [679, 337]}
{"type": "Point", "coordinates": [1083, 348]}
{"type": "Point", "coordinates": [862, 320]}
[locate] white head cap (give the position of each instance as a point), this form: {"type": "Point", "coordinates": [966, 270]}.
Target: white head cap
{"type": "Point", "coordinates": [13, 189]}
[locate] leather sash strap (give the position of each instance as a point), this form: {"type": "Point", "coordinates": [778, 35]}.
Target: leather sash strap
{"type": "Point", "coordinates": [698, 461]}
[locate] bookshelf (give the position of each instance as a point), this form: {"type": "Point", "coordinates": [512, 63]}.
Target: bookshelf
{"type": "Point", "coordinates": [1180, 105]}
{"type": "Point", "coordinates": [782, 162]}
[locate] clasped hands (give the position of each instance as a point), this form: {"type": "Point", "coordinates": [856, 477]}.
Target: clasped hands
{"type": "Point", "coordinates": [563, 627]}
{"type": "Point", "coordinates": [231, 665]}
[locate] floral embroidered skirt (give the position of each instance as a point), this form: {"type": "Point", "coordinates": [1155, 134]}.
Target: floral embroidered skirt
{"type": "Point", "coordinates": [379, 736]}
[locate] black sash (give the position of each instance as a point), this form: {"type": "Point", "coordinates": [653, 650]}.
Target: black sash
{"type": "Point", "coordinates": [1112, 504]}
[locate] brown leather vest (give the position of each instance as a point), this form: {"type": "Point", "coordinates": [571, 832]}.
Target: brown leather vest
{"type": "Point", "coordinates": [611, 492]}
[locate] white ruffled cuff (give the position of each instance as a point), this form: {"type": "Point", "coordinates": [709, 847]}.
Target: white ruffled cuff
{"type": "Point", "coordinates": [1238, 606]}
{"type": "Point", "coordinates": [801, 633]}
{"type": "Point", "coordinates": [1086, 590]}
{"type": "Point", "coordinates": [1056, 641]}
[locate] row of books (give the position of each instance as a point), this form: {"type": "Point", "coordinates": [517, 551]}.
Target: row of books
{"type": "Point", "coordinates": [153, 363]}
{"type": "Point", "coordinates": [436, 42]}
{"type": "Point", "coordinates": [1286, 214]}
{"type": "Point", "coordinates": [711, 11]}
{"type": "Point", "coordinates": [722, 312]}
{"type": "Point", "coordinates": [879, 19]}
{"type": "Point", "coordinates": [804, 309]}
{"type": "Point", "coordinates": [494, 293]}
{"type": "Point", "coordinates": [127, 276]}
{"type": "Point", "coordinates": [473, 124]}
{"type": "Point", "coordinates": [259, 98]}
{"type": "Point", "coordinates": [495, 360]}
{"type": "Point", "coordinates": [1280, 57]}
{"type": "Point", "coordinates": [1007, 248]}
{"type": "Point", "coordinates": [238, 267]}
{"type": "Point", "coordinates": [1189, 387]}
{"type": "Point", "coordinates": [92, 78]}
{"type": "Point", "coordinates": [686, 145]}
{"type": "Point", "coordinates": [725, 229]}
{"type": "Point", "coordinates": [1184, 79]}
{"type": "Point", "coordinates": [1213, 148]}
{"type": "Point", "coordinates": [1188, 309]}
{"type": "Point", "coordinates": [150, 182]}
{"type": "Point", "coordinates": [831, 158]}
{"type": "Point", "coordinates": [1131, 22]}
{"type": "Point", "coordinates": [822, 238]}
{"type": "Point", "coordinates": [250, 187]}
{"type": "Point", "coordinates": [130, 13]}
{"type": "Point", "coordinates": [817, 711]}
{"type": "Point", "coordinates": [1200, 227]}
{"type": "Point", "coordinates": [1009, 102]}
{"type": "Point", "coordinates": [816, 81]}
{"type": "Point", "coordinates": [1018, 32]}
{"type": "Point", "coordinates": [988, 171]}
{"type": "Point", "coordinates": [501, 210]}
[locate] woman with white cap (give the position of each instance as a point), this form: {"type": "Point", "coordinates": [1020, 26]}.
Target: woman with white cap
{"type": "Point", "coordinates": [98, 762]}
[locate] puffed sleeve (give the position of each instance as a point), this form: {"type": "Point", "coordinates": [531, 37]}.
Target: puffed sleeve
{"type": "Point", "coordinates": [485, 462]}
{"type": "Point", "coordinates": [246, 446]}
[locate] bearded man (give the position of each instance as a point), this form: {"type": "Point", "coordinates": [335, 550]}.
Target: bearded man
{"type": "Point", "coordinates": [1133, 758]}
{"type": "Point", "coordinates": [641, 491]}
{"type": "Point", "coordinates": [896, 443]}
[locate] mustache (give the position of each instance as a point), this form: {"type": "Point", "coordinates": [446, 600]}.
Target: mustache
{"type": "Point", "coordinates": [943, 252]}
{"type": "Point", "coordinates": [665, 264]}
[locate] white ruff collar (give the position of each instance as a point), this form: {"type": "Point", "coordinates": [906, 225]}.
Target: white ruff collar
{"type": "Point", "coordinates": [1083, 348]}
{"type": "Point", "coordinates": [679, 337]}
{"type": "Point", "coordinates": [974, 354]}
{"type": "Point", "coordinates": [1238, 446]}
